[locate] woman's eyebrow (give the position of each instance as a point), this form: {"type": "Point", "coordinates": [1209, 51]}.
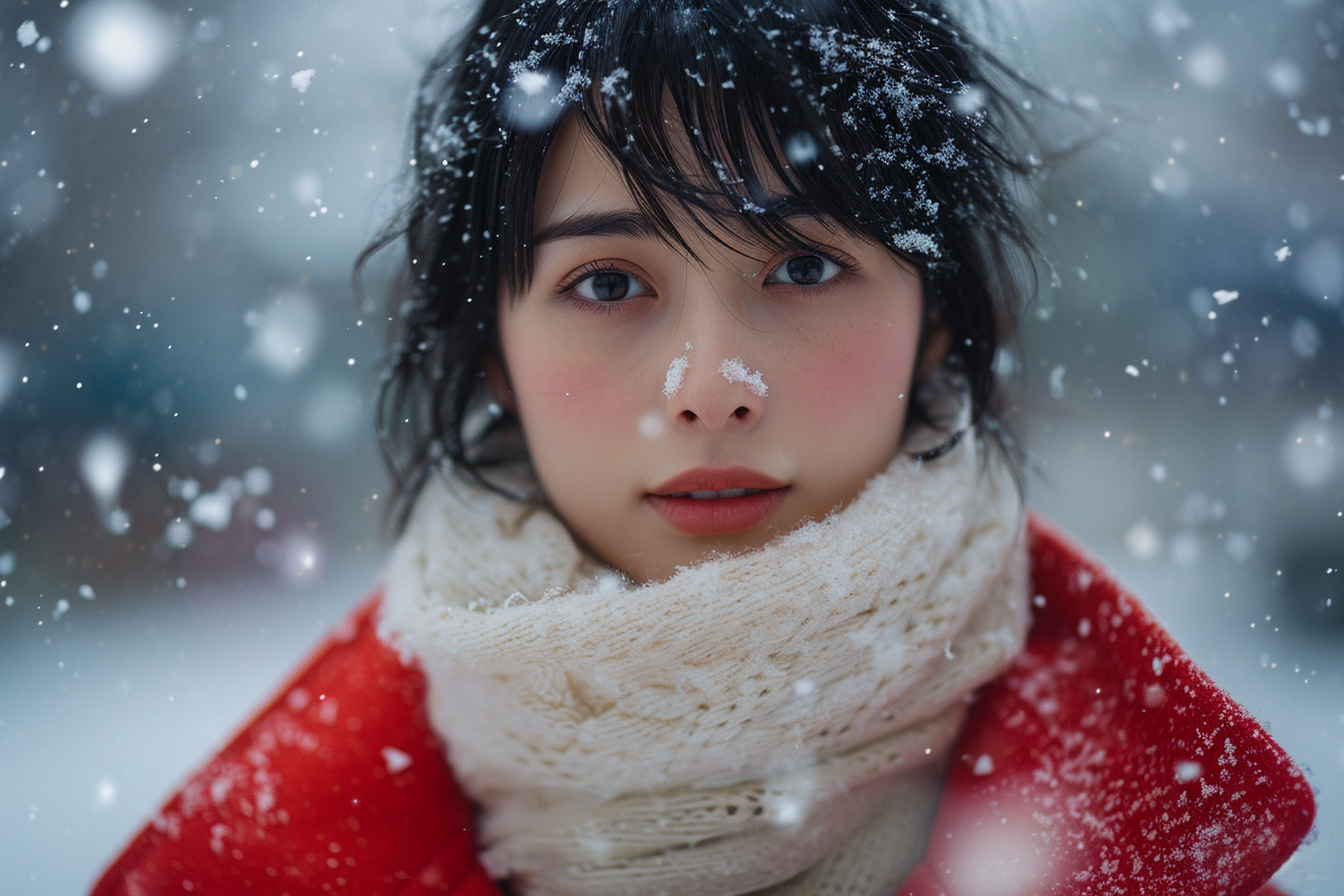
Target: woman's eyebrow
{"type": "Point", "coordinates": [597, 224]}
{"type": "Point", "coordinates": [637, 225]}
{"type": "Point", "coordinates": [787, 207]}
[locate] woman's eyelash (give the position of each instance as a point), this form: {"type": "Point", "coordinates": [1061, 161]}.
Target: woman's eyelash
{"type": "Point", "coordinates": [569, 287]}
{"type": "Point", "coordinates": [843, 264]}
{"type": "Point", "coordinates": [591, 268]}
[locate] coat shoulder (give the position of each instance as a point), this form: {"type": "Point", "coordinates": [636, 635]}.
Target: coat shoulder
{"type": "Point", "coordinates": [1105, 762]}
{"type": "Point", "coordinates": [338, 784]}
{"type": "Point", "coordinates": [1102, 762]}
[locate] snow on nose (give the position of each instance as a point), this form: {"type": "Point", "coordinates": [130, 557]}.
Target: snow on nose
{"type": "Point", "coordinates": [676, 372]}
{"type": "Point", "coordinates": [735, 371]}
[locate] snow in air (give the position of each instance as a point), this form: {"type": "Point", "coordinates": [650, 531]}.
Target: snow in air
{"type": "Point", "coordinates": [1304, 338]}
{"type": "Point", "coordinates": [212, 510]}
{"type": "Point", "coordinates": [302, 80]}
{"type": "Point", "coordinates": [333, 413]}
{"type": "Point", "coordinates": [103, 465]}
{"type": "Point", "coordinates": [27, 33]}
{"type": "Point", "coordinates": [1239, 546]}
{"type": "Point", "coordinates": [106, 792]}
{"type": "Point", "coordinates": [179, 534]}
{"type": "Point", "coordinates": [1170, 180]}
{"type": "Point", "coordinates": [970, 100]}
{"type": "Point", "coordinates": [1185, 547]}
{"type": "Point", "coordinates": [788, 812]}
{"type": "Point", "coordinates": [208, 30]}
{"type": "Point", "coordinates": [652, 426]}
{"type": "Point", "coordinates": [1299, 215]}
{"type": "Point", "coordinates": [258, 481]}
{"type": "Point", "coordinates": [1285, 78]}
{"type": "Point", "coordinates": [285, 334]}
{"type": "Point", "coordinates": [735, 371]}
{"type": "Point", "coordinates": [1143, 541]}
{"type": "Point", "coordinates": [1057, 381]}
{"type": "Point", "coordinates": [296, 555]}
{"type": "Point", "coordinates": [1000, 859]}
{"type": "Point", "coordinates": [1320, 271]}
{"type": "Point", "coordinates": [307, 189]}
{"type": "Point", "coordinates": [1308, 452]}
{"type": "Point", "coordinates": [1188, 771]}
{"type": "Point", "coordinates": [396, 760]}
{"type": "Point", "coordinates": [1168, 19]}
{"type": "Point", "coordinates": [801, 149]}
{"type": "Point", "coordinates": [122, 46]}
{"type": "Point", "coordinates": [533, 101]}
{"type": "Point", "coordinates": [1207, 66]}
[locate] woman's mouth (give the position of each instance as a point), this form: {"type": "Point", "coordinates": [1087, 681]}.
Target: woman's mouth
{"type": "Point", "coordinates": [717, 501]}
{"type": "Point", "coordinates": [709, 494]}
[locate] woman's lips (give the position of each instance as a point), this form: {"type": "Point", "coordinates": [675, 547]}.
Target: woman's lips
{"type": "Point", "coordinates": [717, 501]}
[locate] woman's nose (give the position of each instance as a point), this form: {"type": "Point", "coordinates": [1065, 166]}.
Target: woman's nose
{"type": "Point", "coordinates": [713, 382]}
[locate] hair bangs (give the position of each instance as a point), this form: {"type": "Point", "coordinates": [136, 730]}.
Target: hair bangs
{"type": "Point", "coordinates": [742, 118]}
{"type": "Point", "coordinates": [701, 132]}
{"type": "Point", "coordinates": [686, 103]}
{"type": "Point", "coordinates": [868, 129]}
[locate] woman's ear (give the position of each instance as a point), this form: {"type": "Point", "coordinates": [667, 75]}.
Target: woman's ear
{"type": "Point", "coordinates": [498, 381]}
{"type": "Point", "coordinates": [935, 350]}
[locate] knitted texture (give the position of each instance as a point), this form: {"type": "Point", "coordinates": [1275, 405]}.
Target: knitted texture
{"type": "Point", "coordinates": [730, 728]}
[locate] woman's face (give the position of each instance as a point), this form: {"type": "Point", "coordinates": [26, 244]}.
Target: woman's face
{"type": "Point", "coordinates": [676, 407]}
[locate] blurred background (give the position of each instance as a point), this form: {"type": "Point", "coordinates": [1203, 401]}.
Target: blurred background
{"type": "Point", "coordinates": [189, 488]}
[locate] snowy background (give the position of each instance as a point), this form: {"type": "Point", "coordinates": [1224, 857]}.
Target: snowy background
{"type": "Point", "coordinates": [190, 494]}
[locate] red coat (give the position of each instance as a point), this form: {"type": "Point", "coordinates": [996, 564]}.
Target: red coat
{"type": "Point", "coordinates": [1102, 763]}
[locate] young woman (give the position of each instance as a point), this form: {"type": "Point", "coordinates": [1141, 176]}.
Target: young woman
{"type": "Point", "coordinates": [713, 574]}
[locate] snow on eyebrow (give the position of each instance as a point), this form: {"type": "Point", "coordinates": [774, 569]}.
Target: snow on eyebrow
{"type": "Point", "coordinates": [676, 372]}
{"type": "Point", "coordinates": [734, 371]}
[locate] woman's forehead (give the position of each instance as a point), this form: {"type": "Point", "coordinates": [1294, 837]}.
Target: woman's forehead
{"type": "Point", "coordinates": [578, 176]}
{"type": "Point", "coordinates": [581, 189]}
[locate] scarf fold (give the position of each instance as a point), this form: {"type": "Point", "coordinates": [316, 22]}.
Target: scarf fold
{"type": "Point", "coordinates": [772, 719]}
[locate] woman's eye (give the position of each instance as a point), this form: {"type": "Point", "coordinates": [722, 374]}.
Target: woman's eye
{"type": "Point", "coordinates": [608, 286]}
{"type": "Point", "coordinates": [804, 270]}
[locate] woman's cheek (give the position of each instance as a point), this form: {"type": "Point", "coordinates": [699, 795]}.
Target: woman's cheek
{"type": "Point", "coordinates": [861, 376]}
{"type": "Point", "coordinates": [570, 398]}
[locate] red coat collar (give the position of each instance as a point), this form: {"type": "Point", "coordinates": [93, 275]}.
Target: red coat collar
{"type": "Point", "coordinates": [1103, 763]}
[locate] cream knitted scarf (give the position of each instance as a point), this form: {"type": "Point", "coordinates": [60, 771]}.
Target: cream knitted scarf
{"type": "Point", "coordinates": [776, 719]}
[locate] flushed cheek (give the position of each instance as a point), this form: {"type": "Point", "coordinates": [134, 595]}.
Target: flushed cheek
{"type": "Point", "coordinates": [861, 376]}
{"type": "Point", "coordinates": [564, 399]}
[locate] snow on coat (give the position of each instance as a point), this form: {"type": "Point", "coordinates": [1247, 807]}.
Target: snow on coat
{"type": "Point", "coordinates": [1102, 763]}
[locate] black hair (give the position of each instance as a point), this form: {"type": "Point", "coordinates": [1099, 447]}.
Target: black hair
{"type": "Point", "coordinates": [880, 116]}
